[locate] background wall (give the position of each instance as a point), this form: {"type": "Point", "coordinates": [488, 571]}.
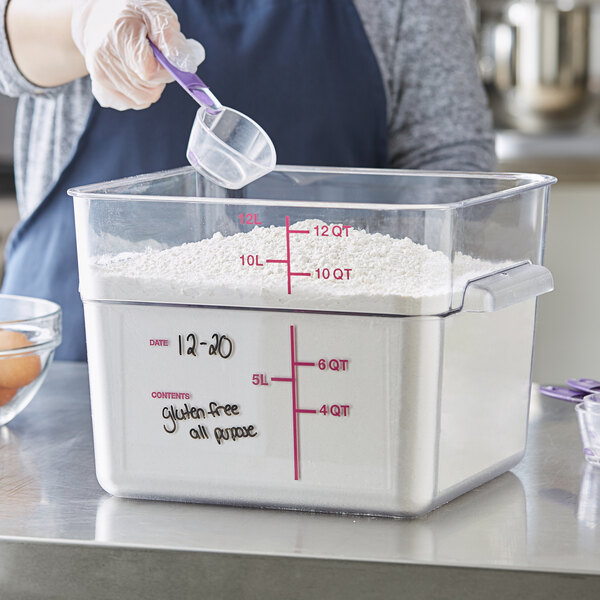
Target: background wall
{"type": "Point", "coordinates": [568, 336]}
{"type": "Point", "coordinates": [8, 207]}
{"type": "Point", "coordinates": [568, 332]}
{"type": "Point", "coordinates": [8, 106]}
{"type": "Point", "coordinates": [568, 326]}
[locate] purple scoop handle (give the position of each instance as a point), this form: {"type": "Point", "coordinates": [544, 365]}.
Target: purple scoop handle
{"type": "Point", "coordinates": [190, 82]}
{"type": "Point", "coordinates": [585, 385]}
{"type": "Point", "coordinates": [563, 393]}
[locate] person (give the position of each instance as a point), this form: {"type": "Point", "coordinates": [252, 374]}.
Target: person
{"type": "Point", "coordinates": [351, 83]}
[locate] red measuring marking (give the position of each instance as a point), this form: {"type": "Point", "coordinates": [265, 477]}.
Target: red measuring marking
{"type": "Point", "coordinates": [295, 407]}
{"type": "Point", "coordinates": [287, 261]}
{"type": "Point", "coordinates": [294, 364]}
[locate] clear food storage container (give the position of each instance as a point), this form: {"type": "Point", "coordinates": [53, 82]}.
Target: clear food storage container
{"type": "Point", "coordinates": [344, 340]}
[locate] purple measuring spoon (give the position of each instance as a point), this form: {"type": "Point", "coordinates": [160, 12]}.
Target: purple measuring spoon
{"type": "Point", "coordinates": [191, 83]}
{"type": "Point", "coordinates": [591, 386]}
{"type": "Point", "coordinates": [563, 393]}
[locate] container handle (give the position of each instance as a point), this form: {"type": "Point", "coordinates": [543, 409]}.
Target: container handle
{"type": "Point", "coordinates": [508, 287]}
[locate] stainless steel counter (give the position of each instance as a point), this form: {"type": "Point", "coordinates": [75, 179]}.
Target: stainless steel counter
{"type": "Point", "coordinates": [531, 533]}
{"type": "Point", "coordinates": [573, 156]}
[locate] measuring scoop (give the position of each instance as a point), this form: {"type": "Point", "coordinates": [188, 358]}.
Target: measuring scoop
{"type": "Point", "coordinates": [225, 145]}
{"type": "Point", "coordinates": [591, 401]}
{"type": "Point", "coordinates": [591, 386]}
{"type": "Point", "coordinates": [563, 393]}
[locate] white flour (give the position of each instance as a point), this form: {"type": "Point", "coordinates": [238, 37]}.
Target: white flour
{"type": "Point", "coordinates": [352, 271]}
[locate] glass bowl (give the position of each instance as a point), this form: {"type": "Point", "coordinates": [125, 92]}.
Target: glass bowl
{"type": "Point", "coordinates": [30, 331]}
{"type": "Point", "coordinates": [589, 427]}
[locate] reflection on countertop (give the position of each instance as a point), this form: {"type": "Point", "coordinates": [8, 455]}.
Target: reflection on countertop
{"type": "Point", "coordinates": [588, 506]}
{"type": "Point", "coordinates": [445, 536]}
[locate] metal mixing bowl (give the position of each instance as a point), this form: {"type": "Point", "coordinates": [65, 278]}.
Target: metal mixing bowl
{"type": "Point", "coordinates": [535, 61]}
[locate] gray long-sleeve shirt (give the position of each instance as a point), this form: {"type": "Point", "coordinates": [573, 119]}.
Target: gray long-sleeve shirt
{"type": "Point", "coordinates": [436, 109]}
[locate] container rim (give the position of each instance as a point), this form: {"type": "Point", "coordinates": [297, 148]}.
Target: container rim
{"type": "Point", "coordinates": [535, 181]}
{"type": "Point", "coordinates": [53, 309]}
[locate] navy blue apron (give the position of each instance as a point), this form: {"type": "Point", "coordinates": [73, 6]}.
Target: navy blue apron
{"type": "Point", "coordinates": [302, 69]}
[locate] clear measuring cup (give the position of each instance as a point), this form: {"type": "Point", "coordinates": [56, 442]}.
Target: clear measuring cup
{"type": "Point", "coordinates": [225, 145]}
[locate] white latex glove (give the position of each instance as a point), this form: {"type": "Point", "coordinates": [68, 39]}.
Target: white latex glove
{"type": "Point", "coordinates": [111, 36]}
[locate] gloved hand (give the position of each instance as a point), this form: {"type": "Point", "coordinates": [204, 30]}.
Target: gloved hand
{"type": "Point", "coordinates": [111, 36]}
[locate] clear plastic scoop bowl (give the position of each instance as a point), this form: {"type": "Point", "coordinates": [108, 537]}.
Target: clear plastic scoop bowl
{"type": "Point", "coordinates": [229, 148]}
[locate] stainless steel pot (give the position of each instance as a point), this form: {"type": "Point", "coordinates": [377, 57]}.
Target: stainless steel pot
{"type": "Point", "coordinates": [534, 61]}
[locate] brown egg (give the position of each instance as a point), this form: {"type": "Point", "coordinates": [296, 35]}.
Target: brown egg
{"type": "Point", "coordinates": [17, 371]}
{"type": "Point", "coordinates": [6, 395]}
